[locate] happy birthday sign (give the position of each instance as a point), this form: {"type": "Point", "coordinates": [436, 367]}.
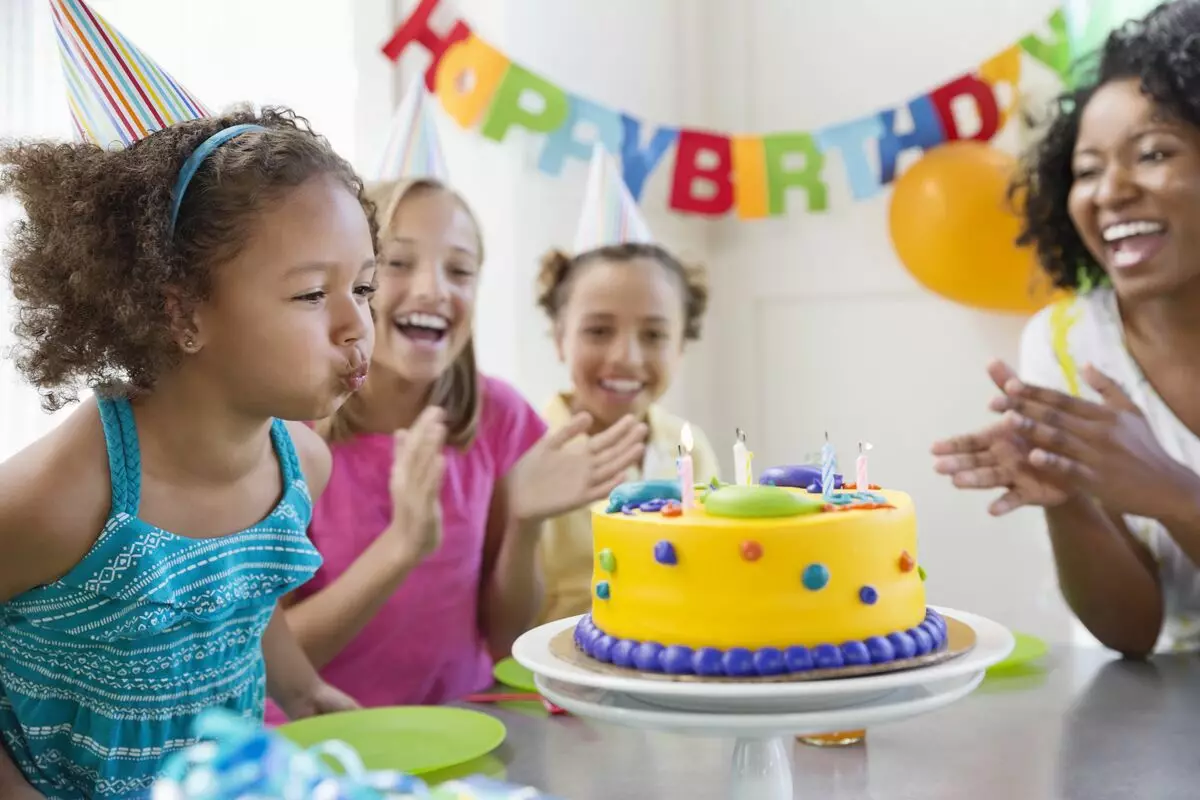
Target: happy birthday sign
{"type": "Point", "coordinates": [714, 173]}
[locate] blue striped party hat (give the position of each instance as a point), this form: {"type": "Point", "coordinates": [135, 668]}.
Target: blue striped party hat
{"type": "Point", "coordinates": [117, 93]}
{"type": "Point", "coordinates": [610, 215]}
{"type": "Point", "coordinates": [413, 147]}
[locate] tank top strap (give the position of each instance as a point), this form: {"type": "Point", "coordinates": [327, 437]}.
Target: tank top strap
{"type": "Point", "coordinates": [124, 454]}
{"type": "Point", "coordinates": [285, 451]}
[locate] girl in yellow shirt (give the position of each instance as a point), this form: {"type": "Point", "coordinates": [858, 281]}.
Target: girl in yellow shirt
{"type": "Point", "coordinates": [622, 310]}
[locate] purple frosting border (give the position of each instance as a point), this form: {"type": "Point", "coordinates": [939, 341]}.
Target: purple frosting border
{"type": "Point", "coordinates": [739, 662]}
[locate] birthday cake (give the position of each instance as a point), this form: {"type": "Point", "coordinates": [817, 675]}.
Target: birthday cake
{"type": "Point", "coordinates": [756, 580]}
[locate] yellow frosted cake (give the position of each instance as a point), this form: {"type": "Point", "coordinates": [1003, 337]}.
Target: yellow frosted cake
{"type": "Point", "coordinates": [756, 580]}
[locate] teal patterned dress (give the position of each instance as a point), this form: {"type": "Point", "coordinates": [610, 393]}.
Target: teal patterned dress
{"type": "Point", "coordinates": [103, 671]}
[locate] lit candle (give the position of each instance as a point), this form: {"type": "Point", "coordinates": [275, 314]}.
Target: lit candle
{"type": "Point", "coordinates": [741, 460]}
{"type": "Point", "coordinates": [828, 467]}
{"type": "Point", "coordinates": [860, 472]}
{"type": "Point", "coordinates": [687, 480]}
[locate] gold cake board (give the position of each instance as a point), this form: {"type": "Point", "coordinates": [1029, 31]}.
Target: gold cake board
{"type": "Point", "coordinates": [960, 640]}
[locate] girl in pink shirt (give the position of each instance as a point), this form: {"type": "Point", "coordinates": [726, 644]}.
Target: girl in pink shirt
{"type": "Point", "coordinates": [417, 596]}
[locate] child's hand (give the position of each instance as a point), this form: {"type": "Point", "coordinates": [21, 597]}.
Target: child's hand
{"type": "Point", "coordinates": [322, 699]}
{"type": "Point", "coordinates": [416, 486]}
{"type": "Point", "coordinates": [558, 475]}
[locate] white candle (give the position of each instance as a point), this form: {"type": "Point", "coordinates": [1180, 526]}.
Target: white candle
{"type": "Point", "coordinates": [861, 482]}
{"type": "Point", "coordinates": [741, 460]}
{"type": "Point", "coordinates": [687, 478]}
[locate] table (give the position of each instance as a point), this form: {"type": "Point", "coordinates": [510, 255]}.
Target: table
{"type": "Point", "coordinates": [1085, 726]}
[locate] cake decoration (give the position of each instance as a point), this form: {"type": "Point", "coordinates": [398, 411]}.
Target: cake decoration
{"type": "Point", "coordinates": [664, 553]}
{"type": "Point", "coordinates": [828, 656]}
{"type": "Point", "coordinates": [608, 562]}
{"type": "Point", "coordinates": [759, 502]}
{"type": "Point", "coordinates": [742, 458]}
{"type": "Point", "coordinates": [907, 562]}
{"type": "Point", "coordinates": [636, 493]}
{"type": "Point", "coordinates": [855, 654]}
{"type": "Point", "coordinates": [797, 476]}
{"type": "Point", "coordinates": [868, 595]}
{"type": "Point", "coordinates": [881, 650]}
{"type": "Point", "coordinates": [751, 551]}
{"type": "Point", "coordinates": [684, 465]}
{"type": "Point", "coordinates": [670, 509]}
{"type": "Point", "coordinates": [828, 467]}
{"type": "Point", "coordinates": [797, 659]}
{"type": "Point", "coordinates": [677, 660]}
{"type": "Point", "coordinates": [738, 662]}
{"type": "Point", "coordinates": [707, 661]}
{"type": "Point", "coordinates": [769, 661]}
{"type": "Point", "coordinates": [921, 573]}
{"type": "Point", "coordinates": [602, 590]}
{"type": "Point", "coordinates": [815, 577]}
{"type": "Point", "coordinates": [645, 656]}
{"type": "Point", "coordinates": [860, 465]}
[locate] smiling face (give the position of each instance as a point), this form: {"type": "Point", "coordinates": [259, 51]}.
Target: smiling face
{"type": "Point", "coordinates": [430, 257]}
{"type": "Point", "coordinates": [287, 328]}
{"type": "Point", "coordinates": [620, 334]}
{"type": "Point", "coordinates": [1135, 198]}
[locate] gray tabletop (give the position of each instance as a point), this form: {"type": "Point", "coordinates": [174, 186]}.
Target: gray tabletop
{"type": "Point", "coordinates": [1083, 726]}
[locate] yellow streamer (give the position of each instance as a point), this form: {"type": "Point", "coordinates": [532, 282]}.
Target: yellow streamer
{"type": "Point", "coordinates": [1063, 316]}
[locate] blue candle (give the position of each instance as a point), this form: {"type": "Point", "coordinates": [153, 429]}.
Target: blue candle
{"type": "Point", "coordinates": [828, 467]}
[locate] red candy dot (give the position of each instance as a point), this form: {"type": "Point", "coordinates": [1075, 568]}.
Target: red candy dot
{"type": "Point", "coordinates": [906, 562]}
{"type": "Point", "coordinates": [672, 510]}
{"type": "Point", "coordinates": [751, 551]}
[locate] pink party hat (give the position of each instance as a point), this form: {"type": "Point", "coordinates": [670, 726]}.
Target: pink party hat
{"type": "Point", "coordinates": [413, 148]}
{"type": "Point", "coordinates": [117, 93]}
{"type": "Point", "coordinates": [610, 215]}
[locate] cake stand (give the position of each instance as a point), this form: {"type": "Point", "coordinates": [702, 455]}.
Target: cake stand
{"type": "Point", "coordinates": [764, 718]}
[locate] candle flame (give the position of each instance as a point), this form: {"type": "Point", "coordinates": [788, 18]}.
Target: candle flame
{"type": "Point", "coordinates": [864, 446]}
{"type": "Point", "coordinates": [685, 437]}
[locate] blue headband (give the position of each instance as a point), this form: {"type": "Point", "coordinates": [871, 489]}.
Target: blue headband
{"type": "Point", "coordinates": [197, 158]}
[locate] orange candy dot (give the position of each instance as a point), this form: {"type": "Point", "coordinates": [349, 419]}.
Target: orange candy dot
{"type": "Point", "coordinates": [751, 551]}
{"type": "Point", "coordinates": [907, 562]}
{"type": "Point", "coordinates": [672, 510]}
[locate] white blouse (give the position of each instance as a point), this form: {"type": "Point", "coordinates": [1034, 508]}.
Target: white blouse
{"type": "Point", "coordinates": [1055, 345]}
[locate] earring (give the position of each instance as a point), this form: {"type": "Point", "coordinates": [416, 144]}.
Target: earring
{"type": "Point", "coordinates": [189, 345]}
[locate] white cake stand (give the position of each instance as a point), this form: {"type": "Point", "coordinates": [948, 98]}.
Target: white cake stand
{"type": "Point", "coordinates": [764, 718]}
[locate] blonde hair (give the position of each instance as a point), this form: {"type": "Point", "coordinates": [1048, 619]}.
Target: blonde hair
{"type": "Point", "coordinates": [558, 271]}
{"type": "Point", "coordinates": [457, 390]}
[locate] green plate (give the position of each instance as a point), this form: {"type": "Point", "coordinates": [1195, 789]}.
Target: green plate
{"type": "Point", "coordinates": [412, 739]}
{"type": "Point", "coordinates": [510, 673]}
{"type": "Point", "coordinates": [1028, 648]}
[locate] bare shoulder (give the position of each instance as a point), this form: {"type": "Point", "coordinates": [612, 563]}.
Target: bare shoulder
{"type": "Point", "coordinates": [315, 459]}
{"type": "Point", "coordinates": [55, 496]}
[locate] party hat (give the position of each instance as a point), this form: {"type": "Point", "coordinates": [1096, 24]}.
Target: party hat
{"type": "Point", "coordinates": [117, 93]}
{"type": "Point", "coordinates": [610, 215]}
{"type": "Point", "coordinates": [413, 148]}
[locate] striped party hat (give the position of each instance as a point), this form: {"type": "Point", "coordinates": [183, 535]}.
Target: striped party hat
{"type": "Point", "coordinates": [610, 215]}
{"type": "Point", "coordinates": [117, 93]}
{"type": "Point", "coordinates": [413, 148]}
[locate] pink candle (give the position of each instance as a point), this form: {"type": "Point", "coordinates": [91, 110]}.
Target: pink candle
{"type": "Point", "coordinates": [687, 479]}
{"type": "Point", "coordinates": [860, 465]}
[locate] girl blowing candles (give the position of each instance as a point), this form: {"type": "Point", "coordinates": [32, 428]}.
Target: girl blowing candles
{"type": "Point", "coordinates": [442, 476]}
{"type": "Point", "coordinates": [1100, 430]}
{"type": "Point", "coordinates": [208, 282]}
{"type": "Point", "coordinates": [622, 309]}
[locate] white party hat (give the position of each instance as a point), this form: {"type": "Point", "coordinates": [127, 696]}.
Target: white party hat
{"type": "Point", "coordinates": [413, 147]}
{"type": "Point", "coordinates": [610, 215]}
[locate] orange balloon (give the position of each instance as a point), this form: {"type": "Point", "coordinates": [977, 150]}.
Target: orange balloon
{"type": "Point", "coordinates": [955, 230]}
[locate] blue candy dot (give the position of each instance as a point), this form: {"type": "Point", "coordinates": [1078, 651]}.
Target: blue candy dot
{"type": "Point", "coordinates": [664, 553]}
{"type": "Point", "coordinates": [769, 661]}
{"type": "Point", "coordinates": [923, 640]}
{"type": "Point", "coordinates": [798, 659]}
{"type": "Point", "coordinates": [903, 644]}
{"type": "Point", "coordinates": [855, 654]}
{"type": "Point", "coordinates": [815, 577]}
{"type": "Point", "coordinates": [602, 590]}
{"type": "Point", "coordinates": [868, 595]}
{"type": "Point", "coordinates": [881, 650]}
{"type": "Point", "coordinates": [676, 660]}
{"type": "Point", "coordinates": [707, 661]}
{"type": "Point", "coordinates": [645, 656]}
{"type": "Point", "coordinates": [622, 653]}
{"type": "Point", "coordinates": [738, 662]}
{"type": "Point", "coordinates": [602, 648]}
{"type": "Point", "coordinates": [827, 656]}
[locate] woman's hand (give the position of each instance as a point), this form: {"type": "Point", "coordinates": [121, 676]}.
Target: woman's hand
{"type": "Point", "coordinates": [558, 475]}
{"type": "Point", "coordinates": [416, 486]}
{"type": "Point", "coordinates": [1106, 449]}
{"type": "Point", "coordinates": [998, 457]}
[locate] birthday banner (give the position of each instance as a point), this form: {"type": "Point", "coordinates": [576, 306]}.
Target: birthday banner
{"type": "Point", "coordinates": [713, 173]}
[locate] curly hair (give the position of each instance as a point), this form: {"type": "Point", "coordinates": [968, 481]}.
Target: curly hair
{"type": "Point", "coordinates": [94, 260]}
{"type": "Point", "coordinates": [1162, 50]}
{"type": "Point", "coordinates": [558, 271]}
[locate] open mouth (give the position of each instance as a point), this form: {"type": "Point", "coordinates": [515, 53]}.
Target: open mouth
{"type": "Point", "coordinates": [622, 387]}
{"type": "Point", "coordinates": [1133, 242]}
{"type": "Point", "coordinates": [425, 329]}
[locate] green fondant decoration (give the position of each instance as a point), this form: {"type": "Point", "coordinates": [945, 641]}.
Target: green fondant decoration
{"type": "Point", "coordinates": [921, 571]}
{"type": "Point", "coordinates": [758, 502]}
{"type": "Point", "coordinates": [608, 561]}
